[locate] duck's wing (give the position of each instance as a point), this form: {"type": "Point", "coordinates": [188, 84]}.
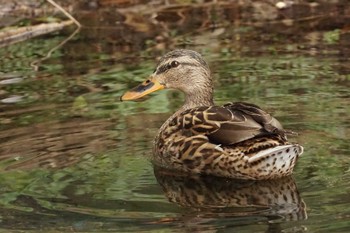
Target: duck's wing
{"type": "Point", "coordinates": [229, 124]}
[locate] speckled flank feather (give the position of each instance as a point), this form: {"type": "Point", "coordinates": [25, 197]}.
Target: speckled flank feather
{"type": "Point", "coordinates": [227, 141]}
{"type": "Point", "coordinates": [237, 140]}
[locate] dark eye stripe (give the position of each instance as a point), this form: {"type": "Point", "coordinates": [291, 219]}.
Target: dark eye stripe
{"type": "Point", "coordinates": [166, 67]}
{"type": "Point", "coordinates": [162, 69]}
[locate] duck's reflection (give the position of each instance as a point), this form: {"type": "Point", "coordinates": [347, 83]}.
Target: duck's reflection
{"type": "Point", "coordinates": [270, 198]}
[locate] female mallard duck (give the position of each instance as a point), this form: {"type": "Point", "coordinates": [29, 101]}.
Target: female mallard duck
{"type": "Point", "coordinates": [237, 140]}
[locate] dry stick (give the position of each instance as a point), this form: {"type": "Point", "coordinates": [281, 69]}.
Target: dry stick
{"type": "Point", "coordinates": [64, 12]}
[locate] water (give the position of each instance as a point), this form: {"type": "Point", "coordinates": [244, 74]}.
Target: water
{"type": "Point", "coordinates": [74, 158]}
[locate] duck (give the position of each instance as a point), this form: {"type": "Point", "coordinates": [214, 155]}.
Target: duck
{"type": "Point", "coordinates": [236, 140]}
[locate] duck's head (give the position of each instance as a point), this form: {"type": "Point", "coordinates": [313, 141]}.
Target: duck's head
{"type": "Point", "coordinates": [181, 69]}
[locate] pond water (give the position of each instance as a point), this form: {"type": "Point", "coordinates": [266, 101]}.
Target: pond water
{"type": "Point", "coordinates": [74, 158]}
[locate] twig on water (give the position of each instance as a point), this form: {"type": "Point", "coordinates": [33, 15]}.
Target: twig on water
{"type": "Point", "coordinates": [64, 12]}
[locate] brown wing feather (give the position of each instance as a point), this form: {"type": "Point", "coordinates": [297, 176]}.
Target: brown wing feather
{"type": "Point", "coordinates": [269, 123]}
{"type": "Point", "coordinates": [229, 124]}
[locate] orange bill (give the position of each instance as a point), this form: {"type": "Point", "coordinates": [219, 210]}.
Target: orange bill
{"type": "Point", "coordinates": [141, 90]}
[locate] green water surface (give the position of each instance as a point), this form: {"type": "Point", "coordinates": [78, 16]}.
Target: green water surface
{"type": "Point", "coordinates": [73, 158]}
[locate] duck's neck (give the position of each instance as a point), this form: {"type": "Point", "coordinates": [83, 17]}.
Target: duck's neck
{"type": "Point", "coordinates": [197, 99]}
{"type": "Point", "coordinates": [192, 100]}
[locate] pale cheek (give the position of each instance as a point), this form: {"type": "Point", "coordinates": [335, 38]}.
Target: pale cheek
{"type": "Point", "coordinates": [173, 82]}
{"type": "Point", "coordinates": [171, 85]}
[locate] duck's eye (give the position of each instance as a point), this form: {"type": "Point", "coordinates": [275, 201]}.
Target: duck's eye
{"type": "Point", "coordinates": [174, 64]}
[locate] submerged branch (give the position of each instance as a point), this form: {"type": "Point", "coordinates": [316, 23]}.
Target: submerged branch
{"type": "Point", "coordinates": [35, 64]}
{"type": "Point", "coordinates": [11, 36]}
{"type": "Point", "coordinates": [14, 35]}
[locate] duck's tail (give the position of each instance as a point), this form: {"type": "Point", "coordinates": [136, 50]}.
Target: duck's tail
{"type": "Point", "coordinates": [276, 161]}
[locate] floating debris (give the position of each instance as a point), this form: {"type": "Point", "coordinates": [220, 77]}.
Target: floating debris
{"type": "Point", "coordinates": [12, 99]}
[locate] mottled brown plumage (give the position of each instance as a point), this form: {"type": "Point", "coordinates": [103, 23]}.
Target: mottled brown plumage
{"type": "Point", "coordinates": [237, 140]}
